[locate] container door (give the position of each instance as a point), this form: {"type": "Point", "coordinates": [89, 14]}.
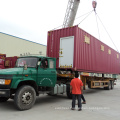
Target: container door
{"type": "Point", "coordinates": [66, 52]}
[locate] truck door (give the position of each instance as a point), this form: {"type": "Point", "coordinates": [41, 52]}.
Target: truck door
{"type": "Point", "coordinates": [66, 52]}
{"type": "Point", "coordinates": [47, 73]}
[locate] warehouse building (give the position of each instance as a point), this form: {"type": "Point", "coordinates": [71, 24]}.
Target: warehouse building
{"type": "Point", "coordinates": [15, 46]}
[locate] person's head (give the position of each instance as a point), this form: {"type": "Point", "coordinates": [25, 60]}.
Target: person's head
{"type": "Point", "coordinates": [76, 74]}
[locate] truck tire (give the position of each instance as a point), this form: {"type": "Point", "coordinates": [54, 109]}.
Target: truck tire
{"type": "Point", "coordinates": [25, 97]}
{"type": "Point", "coordinates": [89, 84]}
{"type": "Point", "coordinates": [112, 84]}
{"type": "Point", "coordinates": [69, 95]}
{"type": "Point", "coordinates": [3, 99]}
{"type": "Point", "coordinates": [109, 86]}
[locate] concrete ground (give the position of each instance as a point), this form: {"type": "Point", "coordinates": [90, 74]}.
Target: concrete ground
{"type": "Point", "coordinates": [101, 105]}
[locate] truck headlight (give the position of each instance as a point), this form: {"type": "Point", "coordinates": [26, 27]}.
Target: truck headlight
{"type": "Point", "coordinates": [4, 82]}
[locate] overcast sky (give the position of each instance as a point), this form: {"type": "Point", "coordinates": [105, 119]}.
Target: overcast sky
{"type": "Point", "coordinates": [31, 19]}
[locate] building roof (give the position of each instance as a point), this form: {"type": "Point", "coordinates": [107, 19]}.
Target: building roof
{"type": "Point", "coordinates": [21, 38]}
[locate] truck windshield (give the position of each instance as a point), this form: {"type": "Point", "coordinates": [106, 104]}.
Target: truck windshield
{"type": "Point", "coordinates": [30, 62]}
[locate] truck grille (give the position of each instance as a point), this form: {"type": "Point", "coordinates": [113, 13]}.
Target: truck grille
{"type": "Point", "coordinates": [5, 76]}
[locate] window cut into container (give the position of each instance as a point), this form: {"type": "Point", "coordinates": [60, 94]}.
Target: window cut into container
{"type": "Point", "coordinates": [117, 56]}
{"type": "Point", "coordinates": [109, 51]}
{"type": "Point", "coordinates": [87, 40]}
{"type": "Point", "coordinates": [102, 47]}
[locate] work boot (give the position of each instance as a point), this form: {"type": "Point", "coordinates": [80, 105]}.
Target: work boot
{"type": "Point", "coordinates": [84, 102]}
{"type": "Point", "coordinates": [79, 109]}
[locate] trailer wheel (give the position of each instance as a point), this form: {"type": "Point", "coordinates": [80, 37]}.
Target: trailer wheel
{"type": "Point", "coordinates": [112, 84]}
{"type": "Point", "coordinates": [3, 99]}
{"type": "Point", "coordinates": [89, 84]}
{"type": "Point", "coordinates": [109, 86]}
{"type": "Point", "coordinates": [25, 97]}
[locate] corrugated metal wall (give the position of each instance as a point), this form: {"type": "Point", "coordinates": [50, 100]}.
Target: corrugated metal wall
{"type": "Point", "coordinates": [14, 46]}
{"type": "Point", "coordinates": [53, 41]}
{"type": "Point", "coordinates": [90, 54]}
{"type": "Point", "coordinates": [90, 57]}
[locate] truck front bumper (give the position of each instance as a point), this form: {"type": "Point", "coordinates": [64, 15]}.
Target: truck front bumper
{"type": "Point", "coordinates": [4, 92]}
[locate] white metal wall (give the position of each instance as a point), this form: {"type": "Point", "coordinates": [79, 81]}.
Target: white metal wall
{"type": "Point", "coordinates": [14, 46]}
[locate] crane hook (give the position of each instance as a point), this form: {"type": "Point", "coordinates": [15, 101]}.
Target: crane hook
{"type": "Point", "coordinates": [94, 4]}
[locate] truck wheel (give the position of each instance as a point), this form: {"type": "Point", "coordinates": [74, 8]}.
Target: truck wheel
{"type": "Point", "coordinates": [112, 84]}
{"type": "Point", "coordinates": [25, 97]}
{"type": "Point", "coordinates": [109, 86]}
{"type": "Point", "coordinates": [89, 84]}
{"type": "Point", "coordinates": [3, 99]}
{"type": "Point", "coordinates": [69, 95]}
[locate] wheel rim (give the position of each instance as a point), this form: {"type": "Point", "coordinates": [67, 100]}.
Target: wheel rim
{"type": "Point", "coordinates": [27, 98]}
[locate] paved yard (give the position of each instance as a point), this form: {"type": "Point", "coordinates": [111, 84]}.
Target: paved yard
{"type": "Point", "coordinates": [101, 105]}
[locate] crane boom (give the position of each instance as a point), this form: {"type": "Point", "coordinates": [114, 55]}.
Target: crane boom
{"type": "Point", "coordinates": [71, 13]}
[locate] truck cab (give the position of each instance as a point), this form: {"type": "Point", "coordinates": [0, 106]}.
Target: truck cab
{"type": "Point", "coordinates": [31, 75]}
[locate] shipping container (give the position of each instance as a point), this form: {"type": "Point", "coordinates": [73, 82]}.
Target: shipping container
{"type": "Point", "coordinates": [10, 62]}
{"type": "Point", "coordinates": [75, 48]}
{"type": "Point", "coordinates": [7, 62]}
{"type": "Point", "coordinates": [2, 60]}
{"type": "Point", "coordinates": [2, 56]}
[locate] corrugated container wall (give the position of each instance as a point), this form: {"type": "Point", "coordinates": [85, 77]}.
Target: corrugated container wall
{"type": "Point", "coordinates": [90, 54]}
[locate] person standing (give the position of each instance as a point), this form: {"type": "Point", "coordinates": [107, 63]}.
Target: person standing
{"type": "Point", "coordinates": [82, 97]}
{"type": "Point", "coordinates": [76, 87]}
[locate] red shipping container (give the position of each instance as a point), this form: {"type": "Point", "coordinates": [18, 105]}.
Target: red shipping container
{"type": "Point", "coordinates": [2, 59]}
{"type": "Point", "coordinates": [2, 56]}
{"type": "Point", "coordinates": [10, 62]}
{"type": "Point", "coordinates": [1, 64]}
{"type": "Point", "coordinates": [74, 48]}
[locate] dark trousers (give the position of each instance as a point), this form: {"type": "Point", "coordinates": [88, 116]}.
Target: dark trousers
{"type": "Point", "coordinates": [82, 97]}
{"type": "Point", "coordinates": [74, 96]}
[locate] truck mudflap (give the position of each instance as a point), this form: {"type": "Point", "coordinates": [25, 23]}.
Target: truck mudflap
{"type": "Point", "coordinates": [4, 92]}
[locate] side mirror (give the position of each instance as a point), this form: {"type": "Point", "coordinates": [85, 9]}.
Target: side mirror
{"type": "Point", "coordinates": [38, 64]}
{"type": "Point", "coordinates": [25, 67]}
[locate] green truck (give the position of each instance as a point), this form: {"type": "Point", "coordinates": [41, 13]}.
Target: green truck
{"type": "Point", "coordinates": [32, 75]}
